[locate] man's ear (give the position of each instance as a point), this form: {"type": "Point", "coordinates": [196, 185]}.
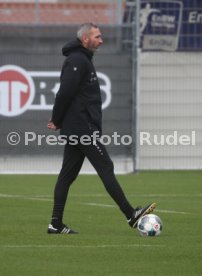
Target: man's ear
{"type": "Point", "coordinates": [85, 38]}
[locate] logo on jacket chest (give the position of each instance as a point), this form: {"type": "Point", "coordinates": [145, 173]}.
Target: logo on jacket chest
{"type": "Point", "coordinates": [93, 77]}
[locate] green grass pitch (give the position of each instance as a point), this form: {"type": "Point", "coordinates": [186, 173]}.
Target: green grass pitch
{"type": "Point", "coordinates": [105, 245]}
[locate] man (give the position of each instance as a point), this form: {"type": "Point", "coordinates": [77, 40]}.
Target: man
{"type": "Point", "coordinates": [77, 111]}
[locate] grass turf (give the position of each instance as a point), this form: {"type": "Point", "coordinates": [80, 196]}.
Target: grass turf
{"type": "Point", "coordinates": [105, 244]}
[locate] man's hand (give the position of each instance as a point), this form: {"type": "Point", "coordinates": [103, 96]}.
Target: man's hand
{"type": "Point", "coordinates": [51, 125]}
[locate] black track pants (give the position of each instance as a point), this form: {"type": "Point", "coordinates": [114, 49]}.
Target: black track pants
{"type": "Point", "coordinates": [72, 161]}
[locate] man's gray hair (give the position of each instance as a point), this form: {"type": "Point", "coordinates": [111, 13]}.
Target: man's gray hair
{"type": "Point", "coordinates": [85, 29]}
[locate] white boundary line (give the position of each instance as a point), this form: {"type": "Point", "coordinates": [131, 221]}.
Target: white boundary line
{"type": "Point", "coordinates": [80, 246]}
{"type": "Point", "coordinates": [44, 198]}
{"type": "Point", "coordinates": [172, 212]}
{"type": "Point", "coordinates": [25, 197]}
{"type": "Point", "coordinates": [99, 205]}
{"type": "Point", "coordinates": [156, 210]}
{"type": "Point", "coordinates": [105, 195]}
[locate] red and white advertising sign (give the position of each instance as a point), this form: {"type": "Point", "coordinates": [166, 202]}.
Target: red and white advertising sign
{"type": "Point", "coordinates": [16, 90]}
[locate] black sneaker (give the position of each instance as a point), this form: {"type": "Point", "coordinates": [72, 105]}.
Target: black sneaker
{"type": "Point", "coordinates": [140, 212]}
{"type": "Point", "coordinates": [61, 230]}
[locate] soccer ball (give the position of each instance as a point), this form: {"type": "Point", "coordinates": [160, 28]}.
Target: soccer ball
{"type": "Point", "coordinates": [150, 225]}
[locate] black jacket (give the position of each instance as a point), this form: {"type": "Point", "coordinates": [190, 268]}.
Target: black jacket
{"type": "Point", "coordinates": [78, 102]}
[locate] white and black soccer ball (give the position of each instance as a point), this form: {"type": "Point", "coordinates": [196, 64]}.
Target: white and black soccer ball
{"type": "Point", "coordinates": [150, 225]}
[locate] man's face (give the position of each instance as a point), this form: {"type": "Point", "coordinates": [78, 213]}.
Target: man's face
{"type": "Point", "coordinates": [94, 40]}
